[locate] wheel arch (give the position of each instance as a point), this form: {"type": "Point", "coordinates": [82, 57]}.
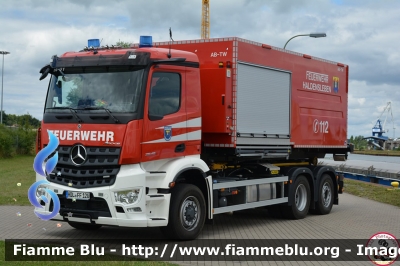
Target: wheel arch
{"type": "Point", "coordinates": [293, 173]}
{"type": "Point", "coordinates": [189, 169]}
{"type": "Point", "coordinates": [198, 178]}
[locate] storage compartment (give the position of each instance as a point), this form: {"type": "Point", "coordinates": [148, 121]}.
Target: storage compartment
{"type": "Point", "coordinates": [263, 99]}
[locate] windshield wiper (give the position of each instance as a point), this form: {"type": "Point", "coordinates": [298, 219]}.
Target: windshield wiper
{"type": "Point", "coordinates": [72, 111]}
{"type": "Point", "coordinates": [102, 108]}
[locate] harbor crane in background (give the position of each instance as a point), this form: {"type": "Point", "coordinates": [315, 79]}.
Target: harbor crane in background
{"type": "Point", "coordinates": [205, 19]}
{"type": "Point", "coordinates": [378, 140]}
{"type": "Point", "coordinates": [380, 127]}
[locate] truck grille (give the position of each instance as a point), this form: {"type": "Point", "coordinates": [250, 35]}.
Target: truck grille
{"type": "Point", "coordinates": [99, 169]}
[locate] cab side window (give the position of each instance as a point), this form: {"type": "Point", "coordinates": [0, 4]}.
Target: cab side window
{"type": "Point", "coordinates": [165, 94]}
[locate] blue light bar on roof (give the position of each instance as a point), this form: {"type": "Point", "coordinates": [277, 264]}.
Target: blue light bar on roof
{"type": "Point", "coordinates": [146, 41]}
{"type": "Point", "coordinates": [94, 43]}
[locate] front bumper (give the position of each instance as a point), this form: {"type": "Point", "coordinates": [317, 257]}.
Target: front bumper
{"type": "Point", "coordinates": [151, 208]}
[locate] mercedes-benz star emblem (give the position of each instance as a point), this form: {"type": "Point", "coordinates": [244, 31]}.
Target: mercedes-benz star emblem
{"type": "Point", "coordinates": [78, 155]}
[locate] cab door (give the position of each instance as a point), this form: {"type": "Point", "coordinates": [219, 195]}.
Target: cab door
{"type": "Point", "coordinates": [164, 121]}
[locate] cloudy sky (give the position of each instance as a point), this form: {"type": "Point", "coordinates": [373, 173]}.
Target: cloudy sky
{"type": "Point", "coordinates": [364, 34]}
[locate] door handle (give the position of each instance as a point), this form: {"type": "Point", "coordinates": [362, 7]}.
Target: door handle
{"type": "Point", "coordinates": [180, 147]}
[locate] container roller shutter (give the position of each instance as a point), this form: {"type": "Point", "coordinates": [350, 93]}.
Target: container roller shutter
{"type": "Point", "coordinates": [263, 100]}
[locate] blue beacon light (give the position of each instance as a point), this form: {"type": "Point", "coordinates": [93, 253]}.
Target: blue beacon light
{"type": "Point", "coordinates": [94, 43]}
{"type": "Point", "coordinates": [146, 41]}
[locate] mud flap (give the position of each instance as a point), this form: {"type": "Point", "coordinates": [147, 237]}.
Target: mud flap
{"type": "Point", "coordinates": [340, 183]}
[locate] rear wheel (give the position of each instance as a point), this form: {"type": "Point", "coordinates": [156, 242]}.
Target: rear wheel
{"type": "Point", "coordinates": [299, 199]}
{"type": "Point", "coordinates": [82, 226]}
{"type": "Point", "coordinates": [187, 213]}
{"type": "Point", "coordinates": [325, 200]}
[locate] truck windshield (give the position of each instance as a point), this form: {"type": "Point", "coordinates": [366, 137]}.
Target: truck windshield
{"type": "Point", "coordinates": [116, 89]}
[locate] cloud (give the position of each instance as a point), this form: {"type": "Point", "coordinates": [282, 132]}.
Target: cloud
{"type": "Point", "coordinates": [366, 105]}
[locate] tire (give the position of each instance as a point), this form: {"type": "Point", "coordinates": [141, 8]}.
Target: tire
{"type": "Point", "coordinates": [325, 197]}
{"type": "Point", "coordinates": [187, 213]}
{"type": "Point", "coordinates": [86, 227]}
{"type": "Point", "coordinates": [299, 199]}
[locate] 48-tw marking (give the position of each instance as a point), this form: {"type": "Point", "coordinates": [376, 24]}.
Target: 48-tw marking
{"type": "Point", "coordinates": [320, 126]}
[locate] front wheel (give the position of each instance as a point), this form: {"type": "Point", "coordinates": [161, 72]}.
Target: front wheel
{"type": "Point", "coordinates": [299, 198]}
{"type": "Point", "coordinates": [325, 199]}
{"type": "Point", "coordinates": [187, 213]}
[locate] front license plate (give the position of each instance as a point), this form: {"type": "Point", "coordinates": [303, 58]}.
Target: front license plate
{"type": "Point", "coordinates": [78, 195]}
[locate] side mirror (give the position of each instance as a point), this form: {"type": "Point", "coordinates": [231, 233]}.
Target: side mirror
{"type": "Point", "coordinates": [59, 91]}
{"type": "Point", "coordinates": [45, 71]}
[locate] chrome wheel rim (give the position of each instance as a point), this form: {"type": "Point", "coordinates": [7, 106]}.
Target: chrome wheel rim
{"type": "Point", "coordinates": [190, 213]}
{"type": "Point", "coordinates": [326, 194]}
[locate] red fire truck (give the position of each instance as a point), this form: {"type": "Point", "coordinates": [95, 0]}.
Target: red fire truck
{"type": "Point", "coordinates": [170, 134]}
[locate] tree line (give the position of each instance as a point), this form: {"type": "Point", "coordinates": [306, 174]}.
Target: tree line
{"type": "Point", "coordinates": [362, 144]}
{"type": "Point", "coordinates": [20, 120]}
{"type": "Point", "coordinates": [359, 142]}
{"type": "Point", "coordinates": [18, 135]}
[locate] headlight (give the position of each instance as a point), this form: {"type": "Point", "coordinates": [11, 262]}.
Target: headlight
{"type": "Point", "coordinates": [127, 196]}
{"type": "Point", "coordinates": [41, 191]}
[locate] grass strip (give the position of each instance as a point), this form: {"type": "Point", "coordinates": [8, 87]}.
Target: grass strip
{"type": "Point", "coordinates": [372, 191]}
{"type": "Point", "coordinates": [13, 172]}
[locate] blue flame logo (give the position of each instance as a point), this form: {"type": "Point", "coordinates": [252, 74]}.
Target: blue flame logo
{"type": "Point", "coordinates": [44, 167]}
